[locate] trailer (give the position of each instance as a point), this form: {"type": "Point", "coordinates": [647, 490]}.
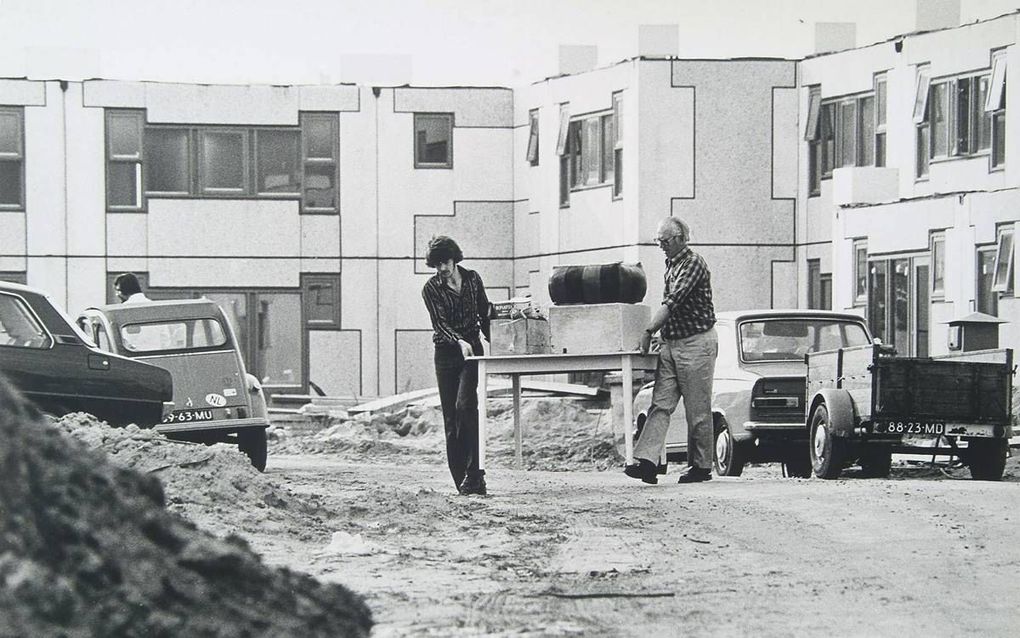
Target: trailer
{"type": "Point", "coordinates": [864, 404]}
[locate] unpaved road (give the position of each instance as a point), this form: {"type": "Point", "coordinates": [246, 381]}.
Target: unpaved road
{"type": "Point", "coordinates": [599, 554]}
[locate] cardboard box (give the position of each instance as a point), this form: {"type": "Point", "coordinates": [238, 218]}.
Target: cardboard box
{"type": "Point", "coordinates": [598, 328]}
{"type": "Point", "coordinates": [520, 336]}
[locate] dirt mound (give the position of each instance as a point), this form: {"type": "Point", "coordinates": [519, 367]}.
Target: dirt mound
{"type": "Point", "coordinates": [559, 435]}
{"type": "Point", "coordinates": [87, 548]}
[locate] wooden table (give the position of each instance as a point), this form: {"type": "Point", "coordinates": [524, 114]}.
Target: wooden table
{"type": "Point", "coordinates": [525, 364]}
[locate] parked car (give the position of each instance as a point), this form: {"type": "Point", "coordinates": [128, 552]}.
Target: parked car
{"type": "Point", "coordinates": [216, 400]}
{"type": "Point", "coordinates": [57, 368]}
{"type": "Point", "coordinates": [759, 386]}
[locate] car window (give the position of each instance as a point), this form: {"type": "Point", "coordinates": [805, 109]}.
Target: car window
{"type": "Point", "coordinates": [18, 326]}
{"type": "Point", "coordinates": [181, 334]}
{"type": "Point", "coordinates": [790, 339]}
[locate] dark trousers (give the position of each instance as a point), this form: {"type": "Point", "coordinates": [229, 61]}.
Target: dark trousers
{"type": "Point", "coordinates": [458, 392]}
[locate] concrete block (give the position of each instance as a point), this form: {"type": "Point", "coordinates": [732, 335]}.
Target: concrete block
{"type": "Point", "coordinates": [520, 336]}
{"type": "Point", "coordinates": [597, 328]}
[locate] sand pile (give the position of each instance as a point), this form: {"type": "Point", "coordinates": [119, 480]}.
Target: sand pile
{"type": "Point", "coordinates": [559, 434]}
{"type": "Point", "coordinates": [87, 548]}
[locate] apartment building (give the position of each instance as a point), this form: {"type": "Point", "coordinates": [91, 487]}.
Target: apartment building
{"type": "Point", "coordinates": [907, 198]}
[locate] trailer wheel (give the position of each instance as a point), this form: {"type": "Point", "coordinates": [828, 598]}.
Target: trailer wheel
{"type": "Point", "coordinates": [729, 455]}
{"type": "Point", "coordinates": [252, 441]}
{"type": "Point", "coordinates": [876, 463]}
{"type": "Point", "coordinates": [987, 458]}
{"type": "Point", "coordinates": [828, 452]}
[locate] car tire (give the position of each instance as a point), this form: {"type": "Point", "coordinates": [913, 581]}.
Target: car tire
{"type": "Point", "coordinates": [798, 463]}
{"type": "Point", "coordinates": [828, 452]}
{"type": "Point", "coordinates": [730, 456]}
{"type": "Point", "coordinates": [252, 441]}
{"type": "Point", "coordinates": [987, 458]}
{"type": "Point", "coordinates": [876, 463]}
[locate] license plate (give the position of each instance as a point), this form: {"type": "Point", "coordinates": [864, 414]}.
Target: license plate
{"type": "Point", "coordinates": [189, 416]}
{"type": "Point", "coordinates": [922, 428]}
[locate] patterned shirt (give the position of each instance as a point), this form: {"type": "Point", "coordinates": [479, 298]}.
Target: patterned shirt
{"type": "Point", "coordinates": [688, 295]}
{"type": "Point", "coordinates": [457, 315]}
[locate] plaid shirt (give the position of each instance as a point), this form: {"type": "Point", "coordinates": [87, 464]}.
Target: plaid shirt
{"type": "Point", "coordinates": [688, 295]}
{"type": "Point", "coordinates": [457, 316]}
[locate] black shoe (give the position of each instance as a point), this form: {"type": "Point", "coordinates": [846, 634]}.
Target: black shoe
{"type": "Point", "coordinates": [474, 483]}
{"type": "Point", "coordinates": [662, 468]}
{"type": "Point", "coordinates": [644, 470]}
{"type": "Point", "coordinates": [696, 475]}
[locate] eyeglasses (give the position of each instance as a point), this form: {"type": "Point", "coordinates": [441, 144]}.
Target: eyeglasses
{"type": "Point", "coordinates": [662, 241]}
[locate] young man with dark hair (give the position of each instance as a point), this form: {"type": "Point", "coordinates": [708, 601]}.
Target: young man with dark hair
{"type": "Point", "coordinates": [128, 289]}
{"type": "Point", "coordinates": [459, 309]}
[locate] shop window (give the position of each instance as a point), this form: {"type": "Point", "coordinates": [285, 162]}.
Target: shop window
{"type": "Point", "coordinates": [12, 158]}
{"type": "Point", "coordinates": [124, 160]}
{"type": "Point", "coordinates": [320, 294]}
{"type": "Point", "coordinates": [1002, 280]}
{"type": "Point", "coordinates": [532, 155]}
{"type": "Point", "coordinates": [433, 140]}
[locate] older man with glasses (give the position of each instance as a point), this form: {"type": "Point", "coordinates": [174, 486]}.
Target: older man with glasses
{"type": "Point", "coordinates": [686, 363]}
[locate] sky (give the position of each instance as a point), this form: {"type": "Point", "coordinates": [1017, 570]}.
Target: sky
{"type": "Point", "coordinates": [422, 42]}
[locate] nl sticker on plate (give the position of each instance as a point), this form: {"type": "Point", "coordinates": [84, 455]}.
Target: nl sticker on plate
{"type": "Point", "coordinates": [215, 400]}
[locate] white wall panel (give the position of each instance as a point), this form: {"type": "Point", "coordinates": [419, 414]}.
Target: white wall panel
{"type": "Point", "coordinates": [247, 227]}
{"type": "Point", "coordinates": [221, 104]}
{"type": "Point", "coordinates": [239, 272]}
{"type": "Point", "coordinates": [22, 92]}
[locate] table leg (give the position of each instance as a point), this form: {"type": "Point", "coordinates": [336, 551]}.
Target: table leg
{"type": "Point", "coordinates": [628, 408]}
{"type": "Point", "coordinates": [518, 433]}
{"type": "Point", "coordinates": [483, 394]}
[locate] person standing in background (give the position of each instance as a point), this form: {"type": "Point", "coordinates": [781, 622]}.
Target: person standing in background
{"type": "Point", "coordinates": [128, 289]}
{"type": "Point", "coordinates": [459, 310]}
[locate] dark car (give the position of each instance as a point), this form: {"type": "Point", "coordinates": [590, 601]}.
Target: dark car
{"type": "Point", "coordinates": [54, 365]}
{"type": "Point", "coordinates": [759, 387]}
{"type": "Point", "coordinates": [216, 400]}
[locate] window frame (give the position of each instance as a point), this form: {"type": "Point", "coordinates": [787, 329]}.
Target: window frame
{"type": "Point", "coordinates": [129, 159]}
{"type": "Point", "coordinates": [617, 114]}
{"type": "Point", "coordinates": [328, 162]}
{"type": "Point", "coordinates": [308, 281]}
{"type": "Point", "coordinates": [1002, 282]}
{"type": "Point", "coordinates": [860, 297]}
{"type": "Point", "coordinates": [18, 155]}
{"type": "Point", "coordinates": [995, 108]}
{"type": "Point", "coordinates": [531, 156]}
{"type": "Point", "coordinates": [881, 116]}
{"type": "Point", "coordinates": [245, 189]}
{"type": "Point", "coordinates": [298, 160]}
{"type": "Point", "coordinates": [191, 170]}
{"type": "Point", "coordinates": [981, 250]}
{"type": "Point", "coordinates": [448, 118]}
{"type": "Point", "coordinates": [937, 249]}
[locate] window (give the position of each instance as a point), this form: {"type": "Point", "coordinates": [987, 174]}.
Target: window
{"type": "Point", "coordinates": [921, 122]}
{"type": "Point", "coordinates": [533, 137]}
{"type": "Point", "coordinates": [955, 120]}
{"type": "Point", "coordinates": [987, 299]}
{"type": "Point", "coordinates": [320, 133]}
{"type": "Point", "coordinates": [866, 139]}
{"type": "Point", "coordinates": [608, 149]}
{"type": "Point", "coordinates": [821, 136]}
{"type": "Point", "coordinates": [617, 171]}
{"type": "Point", "coordinates": [592, 147]}
{"type": "Point", "coordinates": [19, 327]}
{"type": "Point", "coordinates": [938, 270]}
{"type": "Point", "coordinates": [860, 272]}
{"type": "Point", "coordinates": [321, 296]}
{"type": "Point", "coordinates": [167, 161]}
{"type": "Point", "coordinates": [563, 152]}
{"type": "Point", "coordinates": [433, 140]}
{"type": "Point", "coordinates": [591, 151]}
{"type": "Point", "coordinates": [124, 160]}
{"type": "Point", "coordinates": [14, 276]}
{"type": "Point", "coordinates": [846, 123]}
{"type": "Point", "coordinates": [12, 158]}
{"type": "Point", "coordinates": [995, 107]}
{"type": "Point", "coordinates": [881, 99]}
{"type": "Point", "coordinates": [1002, 280]}
{"type": "Point", "coordinates": [222, 162]}
{"type": "Point", "coordinates": [183, 334]}
{"type": "Point", "coordinates": [278, 155]}
{"type": "Point", "coordinates": [819, 286]}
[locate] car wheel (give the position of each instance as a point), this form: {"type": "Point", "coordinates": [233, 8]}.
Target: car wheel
{"type": "Point", "coordinates": [828, 452]}
{"type": "Point", "coordinates": [876, 463]}
{"type": "Point", "coordinates": [798, 463]}
{"type": "Point", "coordinates": [252, 441]}
{"type": "Point", "coordinates": [987, 458]}
{"type": "Point", "coordinates": [729, 455]}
